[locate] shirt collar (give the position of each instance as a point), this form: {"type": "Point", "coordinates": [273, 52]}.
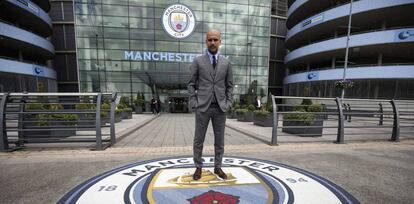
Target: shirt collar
{"type": "Point", "coordinates": [210, 56]}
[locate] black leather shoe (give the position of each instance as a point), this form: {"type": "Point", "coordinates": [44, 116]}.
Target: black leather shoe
{"type": "Point", "coordinates": [220, 173]}
{"type": "Point", "coordinates": [197, 174]}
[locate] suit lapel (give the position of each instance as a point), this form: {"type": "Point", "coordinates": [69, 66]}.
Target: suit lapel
{"type": "Point", "coordinates": [218, 65]}
{"type": "Point", "coordinates": [209, 66]}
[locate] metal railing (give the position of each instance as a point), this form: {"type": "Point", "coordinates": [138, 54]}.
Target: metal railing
{"type": "Point", "coordinates": [342, 119]}
{"type": "Point", "coordinates": [56, 118]}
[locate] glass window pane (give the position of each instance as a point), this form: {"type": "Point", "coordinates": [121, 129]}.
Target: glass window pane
{"type": "Point", "coordinates": [215, 17]}
{"type": "Point", "coordinates": [88, 9]}
{"type": "Point", "coordinates": [141, 23]}
{"type": "Point", "coordinates": [259, 11]}
{"type": "Point", "coordinates": [237, 9]}
{"type": "Point", "coordinates": [88, 31]}
{"type": "Point", "coordinates": [191, 47]}
{"type": "Point", "coordinates": [214, 7]}
{"type": "Point", "coordinates": [115, 21]}
{"type": "Point", "coordinates": [142, 45]}
{"type": "Point", "coordinates": [114, 10]}
{"type": "Point", "coordinates": [145, 12]}
{"type": "Point", "coordinates": [88, 20]}
{"type": "Point", "coordinates": [141, 34]}
{"type": "Point", "coordinates": [237, 19]}
{"type": "Point", "coordinates": [116, 32]}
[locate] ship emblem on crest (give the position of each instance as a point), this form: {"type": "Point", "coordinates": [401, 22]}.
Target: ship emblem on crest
{"type": "Point", "coordinates": [178, 21]}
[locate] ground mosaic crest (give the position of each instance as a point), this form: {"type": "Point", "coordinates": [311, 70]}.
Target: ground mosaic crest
{"type": "Point", "coordinates": [169, 180]}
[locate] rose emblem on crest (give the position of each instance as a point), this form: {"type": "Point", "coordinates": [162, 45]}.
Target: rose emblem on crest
{"type": "Point", "coordinates": [214, 197]}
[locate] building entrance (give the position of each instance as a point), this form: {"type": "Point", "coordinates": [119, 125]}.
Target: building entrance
{"type": "Point", "coordinates": [178, 104]}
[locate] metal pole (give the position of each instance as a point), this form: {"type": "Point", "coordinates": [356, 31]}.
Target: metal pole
{"type": "Point", "coordinates": [4, 142]}
{"type": "Point", "coordinates": [275, 122]}
{"type": "Point", "coordinates": [396, 124]}
{"type": "Point", "coordinates": [97, 64]}
{"type": "Point", "coordinates": [347, 48]}
{"type": "Point", "coordinates": [340, 135]}
{"type": "Point", "coordinates": [112, 117]}
{"type": "Point", "coordinates": [98, 122]}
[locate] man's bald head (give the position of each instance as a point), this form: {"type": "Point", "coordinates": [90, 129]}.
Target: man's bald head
{"type": "Point", "coordinates": [213, 40]}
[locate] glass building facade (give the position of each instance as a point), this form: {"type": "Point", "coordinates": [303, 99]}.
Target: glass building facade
{"type": "Point", "coordinates": [123, 47]}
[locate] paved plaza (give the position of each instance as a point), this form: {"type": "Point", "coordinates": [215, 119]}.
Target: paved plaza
{"type": "Point", "coordinates": [372, 171]}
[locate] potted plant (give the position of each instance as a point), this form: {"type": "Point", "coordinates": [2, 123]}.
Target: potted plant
{"type": "Point", "coordinates": [118, 115]}
{"type": "Point", "coordinates": [245, 114]}
{"type": "Point", "coordinates": [126, 113]}
{"type": "Point", "coordinates": [231, 114]}
{"type": "Point", "coordinates": [344, 84]}
{"type": "Point", "coordinates": [263, 117]}
{"type": "Point", "coordinates": [304, 115]}
{"type": "Point", "coordinates": [88, 117]}
{"type": "Point", "coordinates": [105, 110]}
{"type": "Point", "coordinates": [139, 103]}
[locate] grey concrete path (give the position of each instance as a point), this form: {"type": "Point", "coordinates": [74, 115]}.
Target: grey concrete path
{"type": "Point", "coordinates": [373, 172]}
{"type": "Point", "coordinates": [354, 131]}
{"type": "Point", "coordinates": [177, 130]}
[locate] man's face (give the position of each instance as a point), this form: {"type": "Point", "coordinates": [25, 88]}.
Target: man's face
{"type": "Point", "coordinates": [213, 41]}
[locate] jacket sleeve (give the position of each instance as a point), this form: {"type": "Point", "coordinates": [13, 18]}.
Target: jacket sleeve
{"type": "Point", "coordinates": [229, 86]}
{"type": "Point", "coordinates": [192, 84]}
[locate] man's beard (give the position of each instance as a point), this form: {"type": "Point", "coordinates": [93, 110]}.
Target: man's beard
{"type": "Point", "coordinates": [212, 50]}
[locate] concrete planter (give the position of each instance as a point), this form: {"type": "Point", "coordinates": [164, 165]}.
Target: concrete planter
{"type": "Point", "coordinates": [231, 115]}
{"type": "Point", "coordinates": [245, 117]}
{"type": "Point", "coordinates": [264, 121]}
{"type": "Point", "coordinates": [126, 115]}
{"type": "Point", "coordinates": [309, 131]}
{"type": "Point", "coordinates": [138, 109]}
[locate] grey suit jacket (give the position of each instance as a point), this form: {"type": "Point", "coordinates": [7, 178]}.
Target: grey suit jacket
{"type": "Point", "coordinates": [205, 81]}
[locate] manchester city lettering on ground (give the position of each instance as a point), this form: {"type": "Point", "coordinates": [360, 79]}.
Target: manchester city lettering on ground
{"type": "Point", "coordinates": [169, 180]}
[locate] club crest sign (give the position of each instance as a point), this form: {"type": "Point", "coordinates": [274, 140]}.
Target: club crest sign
{"type": "Point", "coordinates": [178, 21]}
{"type": "Point", "coordinates": [169, 180]}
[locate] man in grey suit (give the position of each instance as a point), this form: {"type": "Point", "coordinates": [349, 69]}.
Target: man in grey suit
{"type": "Point", "coordinates": [211, 94]}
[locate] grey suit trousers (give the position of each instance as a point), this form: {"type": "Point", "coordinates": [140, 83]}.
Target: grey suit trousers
{"type": "Point", "coordinates": [218, 119]}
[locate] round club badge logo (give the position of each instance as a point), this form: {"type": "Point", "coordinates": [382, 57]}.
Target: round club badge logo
{"type": "Point", "coordinates": [178, 21]}
{"type": "Point", "coordinates": [169, 180]}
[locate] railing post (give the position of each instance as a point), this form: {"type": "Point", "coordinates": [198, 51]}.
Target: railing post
{"type": "Point", "coordinates": [4, 142]}
{"type": "Point", "coordinates": [396, 125]}
{"type": "Point", "coordinates": [21, 135]}
{"type": "Point", "coordinates": [345, 111]}
{"type": "Point", "coordinates": [381, 112]}
{"type": "Point", "coordinates": [98, 122]}
{"type": "Point", "coordinates": [275, 122]}
{"type": "Point", "coordinates": [112, 117]}
{"type": "Point", "coordinates": [349, 112]}
{"type": "Point", "coordinates": [340, 135]}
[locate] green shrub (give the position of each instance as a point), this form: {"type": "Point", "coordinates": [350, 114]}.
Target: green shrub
{"type": "Point", "coordinates": [106, 106]}
{"type": "Point", "coordinates": [128, 110]}
{"type": "Point", "coordinates": [315, 108]}
{"type": "Point", "coordinates": [121, 106]}
{"type": "Point", "coordinates": [124, 101]}
{"type": "Point", "coordinates": [251, 108]}
{"type": "Point", "coordinates": [304, 113]}
{"type": "Point", "coordinates": [85, 106]}
{"type": "Point", "coordinates": [241, 110]}
{"type": "Point", "coordinates": [34, 106]}
{"type": "Point", "coordinates": [262, 113]}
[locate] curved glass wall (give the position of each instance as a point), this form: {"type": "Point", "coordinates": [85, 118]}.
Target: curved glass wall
{"type": "Point", "coordinates": [122, 46]}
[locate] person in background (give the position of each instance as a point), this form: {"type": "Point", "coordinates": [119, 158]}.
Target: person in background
{"type": "Point", "coordinates": [153, 105]}
{"type": "Point", "coordinates": [257, 103]}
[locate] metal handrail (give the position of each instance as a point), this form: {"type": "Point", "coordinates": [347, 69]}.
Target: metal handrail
{"type": "Point", "coordinates": [13, 109]}
{"type": "Point", "coordinates": [380, 110]}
